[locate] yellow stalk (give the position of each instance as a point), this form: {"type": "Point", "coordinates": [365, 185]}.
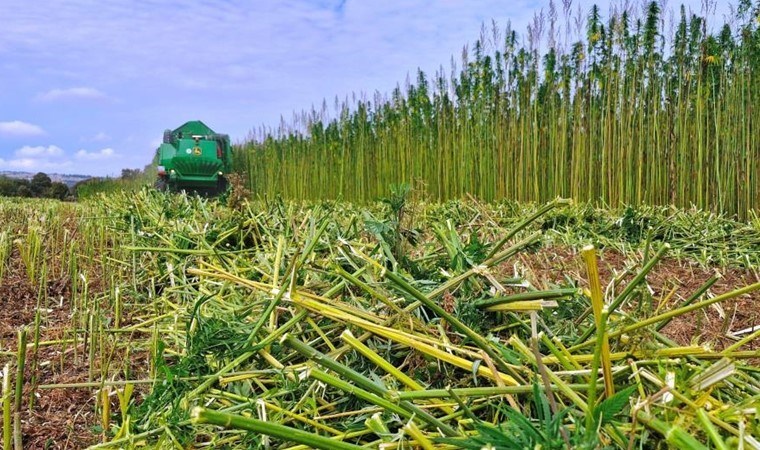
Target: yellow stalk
{"type": "Point", "coordinates": [414, 342]}
{"type": "Point", "coordinates": [300, 418]}
{"type": "Point", "coordinates": [597, 303]}
{"type": "Point", "coordinates": [368, 289]}
{"type": "Point", "coordinates": [418, 436]}
{"type": "Point", "coordinates": [561, 357]}
{"type": "Point", "coordinates": [410, 341]}
{"type": "Point", "coordinates": [523, 305]}
{"type": "Point", "coordinates": [664, 301]}
{"type": "Point", "coordinates": [357, 412]}
{"type": "Point", "coordinates": [344, 436]}
{"type": "Point", "coordinates": [323, 306]}
{"type": "Point", "coordinates": [7, 400]}
{"type": "Point", "coordinates": [105, 411]}
{"type": "Point", "coordinates": [565, 353]}
{"type": "Point", "coordinates": [275, 280]}
{"type": "Point", "coordinates": [380, 362]}
{"type": "Point", "coordinates": [674, 352]}
{"type": "Point", "coordinates": [743, 341]}
{"type": "Point", "coordinates": [325, 309]}
{"type": "Point", "coordinates": [293, 294]}
{"type": "Point", "coordinates": [278, 260]}
{"type": "Point", "coordinates": [321, 333]}
{"type": "Point", "coordinates": [376, 424]}
{"type": "Point", "coordinates": [561, 385]}
{"type": "Point", "coordinates": [271, 359]}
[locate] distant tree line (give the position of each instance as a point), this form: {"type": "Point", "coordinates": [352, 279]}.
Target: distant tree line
{"type": "Point", "coordinates": [129, 179]}
{"type": "Point", "coordinates": [131, 174]}
{"type": "Point", "coordinates": [40, 186]}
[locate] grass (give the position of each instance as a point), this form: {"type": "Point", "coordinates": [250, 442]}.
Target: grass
{"type": "Point", "coordinates": [186, 322]}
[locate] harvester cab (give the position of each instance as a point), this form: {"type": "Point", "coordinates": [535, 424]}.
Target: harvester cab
{"type": "Point", "coordinates": [194, 158]}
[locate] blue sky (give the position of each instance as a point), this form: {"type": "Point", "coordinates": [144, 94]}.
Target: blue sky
{"type": "Point", "coordinates": [87, 87]}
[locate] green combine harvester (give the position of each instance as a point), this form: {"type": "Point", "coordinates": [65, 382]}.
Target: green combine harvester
{"type": "Point", "coordinates": [194, 158]}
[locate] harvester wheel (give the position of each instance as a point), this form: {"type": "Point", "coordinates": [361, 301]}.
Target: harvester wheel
{"type": "Point", "coordinates": [160, 185]}
{"type": "Point", "coordinates": [221, 186]}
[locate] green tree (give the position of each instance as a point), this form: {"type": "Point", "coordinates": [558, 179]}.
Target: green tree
{"type": "Point", "coordinates": [23, 191]}
{"type": "Point", "coordinates": [58, 191]}
{"type": "Point", "coordinates": [7, 187]}
{"type": "Point", "coordinates": [130, 174]}
{"type": "Point", "coordinates": [40, 184]}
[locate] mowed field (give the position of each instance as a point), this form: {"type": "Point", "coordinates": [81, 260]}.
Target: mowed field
{"type": "Point", "coordinates": [147, 320]}
{"type": "Point", "coordinates": [401, 270]}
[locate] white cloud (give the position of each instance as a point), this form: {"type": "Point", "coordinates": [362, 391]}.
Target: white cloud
{"type": "Point", "coordinates": [37, 158]}
{"type": "Point", "coordinates": [33, 164]}
{"type": "Point", "coordinates": [21, 163]}
{"type": "Point", "coordinates": [106, 153]}
{"type": "Point", "coordinates": [100, 137]}
{"type": "Point", "coordinates": [19, 128]}
{"type": "Point", "coordinates": [85, 93]}
{"type": "Point", "coordinates": [50, 150]}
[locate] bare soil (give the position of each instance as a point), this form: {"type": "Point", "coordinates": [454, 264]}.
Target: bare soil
{"type": "Point", "coordinates": [670, 282]}
{"type": "Point", "coordinates": [64, 418]}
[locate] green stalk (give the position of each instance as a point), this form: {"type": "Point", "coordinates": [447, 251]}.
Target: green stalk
{"type": "Point", "coordinates": [362, 381]}
{"type": "Point", "coordinates": [92, 334]}
{"type": "Point", "coordinates": [455, 323]}
{"type": "Point", "coordinates": [360, 393]}
{"type": "Point", "coordinates": [35, 357]}
{"type": "Point", "coordinates": [598, 350]}
{"type": "Point", "coordinates": [601, 313]}
{"type": "Point", "coordinates": [20, 364]}
{"type": "Point", "coordinates": [673, 434]}
{"type": "Point", "coordinates": [522, 225]}
{"type": "Point", "coordinates": [366, 288]}
{"type": "Point", "coordinates": [687, 309]}
{"type": "Point", "coordinates": [476, 391]}
{"type": "Point", "coordinates": [531, 295]}
{"type": "Point", "coordinates": [247, 355]}
{"type": "Point", "coordinates": [7, 416]}
{"type": "Point", "coordinates": [676, 312]}
{"type": "Point", "coordinates": [692, 298]}
{"type": "Point", "coordinates": [379, 361]}
{"type": "Point", "coordinates": [498, 127]}
{"type": "Point", "coordinates": [562, 387]}
{"type": "Point", "coordinates": [710, 429]}
{"type": "Point", "coordinates": [745, 340]}
{"type": "Point", "coordinates": [233, 421]}
{"type": "Point", "coordinates": [635, 282]}
{"type": "Point", "coordinates": [184, 251]}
